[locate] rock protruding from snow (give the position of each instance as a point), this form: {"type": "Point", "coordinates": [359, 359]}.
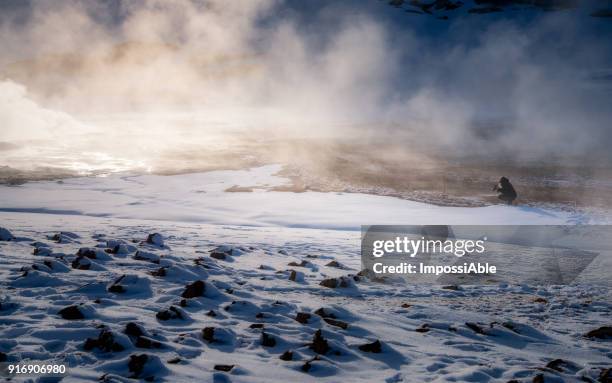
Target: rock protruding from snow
{"type": "Point", "coordinates": [302, 317]}
{"type": "Point", "coordinates": [105, 342]}
{"type": "Point", "coordinates": [604, 332]}
{"type": "Point", "coordinates": [155, 239]}
{"type": "Point", "coordinates": [319, 343]}
{"type": "Point", "coordinates": [171, 313]}
{"type": "Point", "coordinates": [193, 290]}
{"type": "Point", "coordinates": [71, 313]}
{"type": "Point", "coordinates": [267, 340]}
{"type": "Point", "coordinates": [374, 347]}
{"type": "Point", "coordinates": [333, 283]}
{"type": "Point", "coordinates": [147, 256]}
{"type": "Point", "coordinates": [5, 235]}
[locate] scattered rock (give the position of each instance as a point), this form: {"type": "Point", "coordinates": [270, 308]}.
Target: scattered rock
{"type": "Point", "coordinates": [337, 323]}
{"type": "Point", "coordinates": [423, 329]}
{"type": "Point", "coordinates": [161, 272]}
{"type": "Point", "coordinates": [5, 235]}
{"type": "Point", "coordinates": [256, 325]}
{"type": "Point", "coordinates": [196, 289]}
{"type": "Point", "coordinates": [3, 357]}
{"type": "Point", "coordinates": [540, 300]}
{"type": "Point", "coordinates": [539, 378]}
{"type": "Point", "coordinates": [171, 313]}
{"type": "Point", "coordinates": [267, 340]}
{"type": "Point", "coordinates": [306, 366]}
{"type": "Point", "coordinates": [81, 263]}
{"type": "Point", "coordinates": [287, 355]}
{"type": "Point", "coordinates": [374, 347]}
{"type": "Point", "coordinates": [120, 248]}
{"type": "Point", "coordinates": [105, 342]}
{"type": "Point", "coordinates": [71, 313]}
{"type": "Point", "coordinates": [301, 264]}
{"type": "Point", "coordinates": [476, 328]}
{"type": "Point", "coordinates": [175, 360]}
{"type": "Point", "coordinates": [183, 303]}
{"type": "Point", "coordinates": [116, 287]}
{"type": "Point", "coordinates": [293, 275]}
{"type": "Point", "coordinates": [223, 367]}
{"type": "Point", "coordinates": [302, 317]}
{"type": "Point", "coordinates": [146, 256]}
{"type": "Point", "coordinates": [87, 252]}
{"type": "Point", "coordinates": [155, 239]}
{"type": "Point", "coordinates": [132, 329]}
{"type": "Point", "coordinates": [208, 334]}
{"type": "Point", "coordinates": [137, 363]}
{"type": "Point", "coordinates": [42, 251]}
{"type": "Point", "coordinates": [406, 305]}
{"type": "Point", "coordinates": [324, 314]}
{"type": "Point", "coordinates": [604, 332]}
{"type": "Point", "coordinates": [319, 344]}
{"type": "Point", "coordinates": [556, 364]}
{"type": "Point", "coordinates": [220, 256]}
{"type": "Point", "coordinates": [144, 342]}
{"type": "Point", "coordinates": [211, 313]}
{"type": "Point", "coordinates": [332, 283]}
{"type": "Point", "coordinates": [335, 264]}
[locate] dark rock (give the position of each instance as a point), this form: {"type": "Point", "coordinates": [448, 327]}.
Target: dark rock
{"type": "Point", "coordinates": [332, 283]}
{"type": "Point", "coordinates": [87, 252]}
{"type": "Point", "coordinates": [81, 263]}
{"type": "Point", "coordinates": [306, 366]}
{"type": "Point", "coordinates": [155, 239]}
{"type": "Point", "coordinates": [171, 313]}
{"type": "Point", "coordinates": [137, 363]}
{"type": "Point", "coordinates": [556, 364]}
{"type": "Point", "coordinates": [143, 342]}
{"type": "Point", "coordinates": [259, 315]}
{"type": "Point", "coordinates": [183, 303]}
{"type": "Point", "coordinates": [116, 289]}
{"type": "Point", "coordinates": [302, 317]}
{"type": "Point", "coordinates": [406, 305]}
{"type": "Point", "coordinates": [175, 360]}
{"type": "Point", "coordinates": [319, 344]}
{"type": "Point", "coordinates": [451, 287]}
{"type": "Point", "coordinates": [423, 329]}
{"type": "Point", "coordinates": [208, 334]}
{"type": "Point", "coordinates": [3, 357]}
{"type": "Point", "coordinates": [604, 332]}
{"type": "Point", "coordinates": [217, 255]}
{"type": "Point", "coordinates": [540, 300]}
{"type": "Point", "coordinates": [223, 367]}
{"type": "Point", "coordinates": [334, 264]}
{"type": "Point", "coordinates": [287, 355]}
{"type": "Point", "coordinates": [301, 264]}
{"type": "Point", "coordinates": [105, 342]}
{"type": "Point", "coordinates": [374, 347]}
{"type": "Point", "coordinates": [476, 328]}
{"type": "Point", "coordinates": [539, 378]}
{"type": "Point", "coordinates": [196, 289]}
{"type": "Point", "coordinates": [293, 275]}
{"type": "Point", "coordinates": [324, 314]}
{"type": "Point", "coordinates": [146, 256]}
{"type": "Point", "coordinates": [267, 340]}
{"type": "Point", "coordinates": [337, 323]}
{"type": "Point", "coordinates": [132, 329]}
{"type": "Point", "coordinates": [605, 376]}
{"type": "Point", "coordinates": [161, 272]}
{"type": "Point", "coordinates": [256, 325]}
{"type": "Point", "coordinates": [71, 313]}
{"type": "Point", "coordinates": [211, 313]}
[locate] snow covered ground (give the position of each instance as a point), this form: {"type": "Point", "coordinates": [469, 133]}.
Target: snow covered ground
{"type": "Point", "coordinates": [261, 256]}
{"type": "Point", "coordinates": [201, 197]}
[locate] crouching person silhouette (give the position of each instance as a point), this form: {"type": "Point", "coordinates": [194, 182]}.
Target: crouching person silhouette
{"type": "Point", "coordinates": [505, 191]}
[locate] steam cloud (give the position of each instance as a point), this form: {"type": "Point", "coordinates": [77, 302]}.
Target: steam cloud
{"type": "Point", "coordinates": [130, 77]}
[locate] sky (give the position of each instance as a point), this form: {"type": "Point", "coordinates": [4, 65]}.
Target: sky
{"type": "Point", "coordinates": [528, 82]}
